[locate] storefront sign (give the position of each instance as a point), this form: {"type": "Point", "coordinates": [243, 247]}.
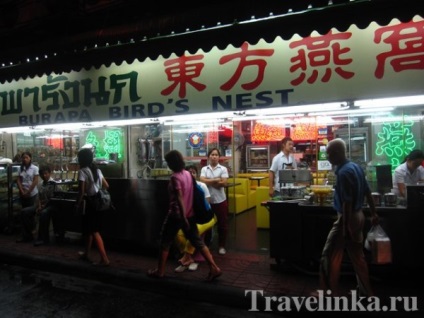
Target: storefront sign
{"type": "Point", "coordinates": [195, 140]}
{"type": "Point", "coordinates": [379, 61]}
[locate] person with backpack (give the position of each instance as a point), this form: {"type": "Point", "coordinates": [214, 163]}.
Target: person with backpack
{"type": "Point", "coordinates": [181, 216]}
{"type": "Point", "coordinates": [191, 257]}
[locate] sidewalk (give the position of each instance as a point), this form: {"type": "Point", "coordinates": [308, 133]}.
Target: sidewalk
{"type": "Point", "coordinates": [241, 271]}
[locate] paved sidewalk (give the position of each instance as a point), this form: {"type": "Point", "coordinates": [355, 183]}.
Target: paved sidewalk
{"type": "Point", "coordinates": [241, 271]}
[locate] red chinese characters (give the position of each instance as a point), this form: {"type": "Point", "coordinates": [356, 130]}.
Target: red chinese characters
{"type": "Point", "coordinates": [182, 71]}
{"type": "Point", "coordinates": [320, 52]}
{"type": "Point", "coordinates": [244, 55]}
{"type": "Point", "coordinates": [407, 42]}
{"type": "Point", "coordinates": [316, 59]}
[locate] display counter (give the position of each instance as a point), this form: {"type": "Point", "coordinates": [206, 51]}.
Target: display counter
{"type": "Point", "coordinates": [298, 232]}
{"type": "Point", "coordinates": [140, 208]}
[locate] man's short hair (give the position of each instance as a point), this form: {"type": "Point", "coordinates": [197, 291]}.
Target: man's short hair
{"type": "Point", "coordinates": [44, 168]}
{"type": "Point", "coordinates": [285, 140]}
{"type": "Point", "coordinates": [416, 154]}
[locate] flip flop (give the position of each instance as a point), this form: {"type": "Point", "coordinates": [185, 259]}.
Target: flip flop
{"type": "Point", "coordinates": [102, 264]}
{"type": "Point", "coordinates": [154, 273]}
{"type": "Point", "coordinates": [83, 257]}
{"type": "Point", "coordinates": [212, 276]}
{"type": "Point", "coordinates": [185, 263]}
{"type": "Point", "coordinates": [193, 267]}
{"type": "Point", "coordinates": [180, 268]}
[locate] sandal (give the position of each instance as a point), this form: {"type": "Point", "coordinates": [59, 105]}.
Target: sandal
{"type": "Point", "coordinates": [187, 263]}
{"type": "Point", "coordinates": [212, 276]}
{"type": "Point", "coordinates": [180, 269]}
{"type": "Point", "coordinates": [102, 264]}
{"type": "Point", "coordinates": [83, 257]}
{"type": "Point", "coordinates": [193, 267]}
{"type": "Point", "coordinates": [154, 273]}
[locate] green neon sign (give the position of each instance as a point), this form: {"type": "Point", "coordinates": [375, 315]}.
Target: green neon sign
{"type": "Point", "coordinates": [395, 140]}
{"type": "Point", "coordinates": [105, 144]}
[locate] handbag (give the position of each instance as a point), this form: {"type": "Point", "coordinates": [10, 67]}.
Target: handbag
{"type": "Point", "coordinates": [103, 200]}
{"type": "Point", "coordinates": [202, 209]}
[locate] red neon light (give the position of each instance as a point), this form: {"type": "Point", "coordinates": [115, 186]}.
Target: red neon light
{"type": "Point", "coordinates": [304, 132]}
{"type": "Point", "coordinates": [55, 142]}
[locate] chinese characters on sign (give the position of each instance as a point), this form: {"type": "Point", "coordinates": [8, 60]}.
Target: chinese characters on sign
{"type": "Point", "coordinates": [335, 66]}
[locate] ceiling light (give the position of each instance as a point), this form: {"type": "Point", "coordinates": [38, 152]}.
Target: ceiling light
{"type": "Point", "coordinates": [353, 112]}
{"type": "Point", "coordinates": [193, 122]}
{"type": "Point", "coordinates": [297, 109]}
{"type": "Point", "coordinates": [391, 102]}
{"type": "Point", "coordinates": [391, 119]}
{"type": "Point", "coordinates": [195, 117]}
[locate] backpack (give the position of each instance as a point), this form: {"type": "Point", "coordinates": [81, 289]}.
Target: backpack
{"type": "Point", "coordinates": [202, 209]}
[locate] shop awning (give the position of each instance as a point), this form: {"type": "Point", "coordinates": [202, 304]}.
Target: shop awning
{"type": "Point", "coordinates": [123, 43]}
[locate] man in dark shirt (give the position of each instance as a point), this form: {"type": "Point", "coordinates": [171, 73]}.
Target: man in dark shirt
{"type": "Point", "coordinates": [347, 231]}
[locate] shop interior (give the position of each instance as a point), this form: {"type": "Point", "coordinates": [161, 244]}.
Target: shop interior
{"type": "Point", "coordinates": [380, 134]}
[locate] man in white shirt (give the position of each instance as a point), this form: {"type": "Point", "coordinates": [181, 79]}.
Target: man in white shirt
{"type": "Point", "coordinates": [410, 171]}
{"type": "Point", "coordinates": [283, 160]}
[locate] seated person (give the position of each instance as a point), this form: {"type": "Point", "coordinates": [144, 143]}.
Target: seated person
{"type": "Point", "coordinates": [189, 260]}
{"type": "Point", "coordinates": [410, 171]}
{"type": "Point", "coordinates": [44, 209]}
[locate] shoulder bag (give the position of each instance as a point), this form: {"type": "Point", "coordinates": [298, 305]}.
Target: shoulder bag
{"type": "Point", "coordinates": [103, 200]}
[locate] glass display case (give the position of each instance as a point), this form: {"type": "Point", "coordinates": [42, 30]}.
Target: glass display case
{"type": "Point", "coordinates": [4, 192]}
{"type": "Point", "coordinates": [258, 158]}
{"type": "Point", "coordinates": [9, 194]}
{"type": "Point", "coordinates": [357, 144]}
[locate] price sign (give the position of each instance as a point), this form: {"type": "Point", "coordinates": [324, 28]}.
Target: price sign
{"type": "Point", "coordinates": [324, 165]}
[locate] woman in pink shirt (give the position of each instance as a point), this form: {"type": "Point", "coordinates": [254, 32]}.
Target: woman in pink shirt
{"type": "Point", "coordinates": [180, 216]}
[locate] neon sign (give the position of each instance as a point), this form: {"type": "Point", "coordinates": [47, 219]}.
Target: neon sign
{"type": "Point", "coordinates": [109, 142]}
{"type": "Point", "coordinates": [263, 132]}
{"type": "Point", "coordinates": [395, 141]}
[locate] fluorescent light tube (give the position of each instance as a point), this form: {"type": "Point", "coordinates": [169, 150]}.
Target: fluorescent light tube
{"type": "Point", "coordinates": [391, 102]}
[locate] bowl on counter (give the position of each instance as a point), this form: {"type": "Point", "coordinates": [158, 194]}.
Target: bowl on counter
{"type": "Point", "coordinates": [318, 189]}
{"type": "Point", "coordinates": [390, 199]}
{"type": "Point", "coordinates": [293, 191]}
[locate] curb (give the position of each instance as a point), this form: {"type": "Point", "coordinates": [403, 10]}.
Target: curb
{"type": "Point", "coordinates": [202, 291]}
